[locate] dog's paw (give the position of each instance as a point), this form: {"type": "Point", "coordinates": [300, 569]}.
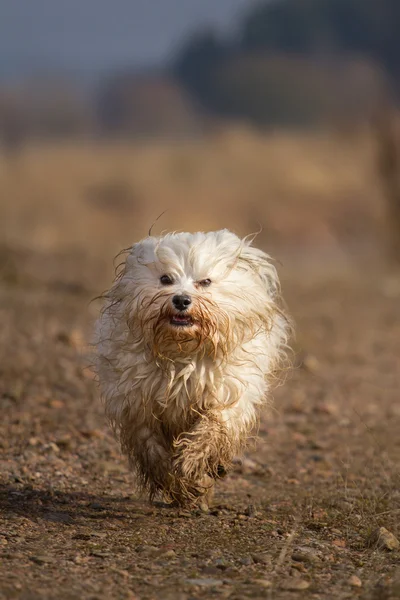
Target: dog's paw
{"type": "Point", "coordinates": [192, 493]}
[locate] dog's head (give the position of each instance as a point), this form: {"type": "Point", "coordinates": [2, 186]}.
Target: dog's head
{"type": "Point", "coordinates": [200, 292]}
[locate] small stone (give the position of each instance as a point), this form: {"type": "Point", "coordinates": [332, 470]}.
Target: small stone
{"type": "Point", "coordinates": [80, 560]}
{"type": "Point", "coordinates": [221, 564]}
{"type": "Point", "coordinates": [100, 554]}
{"type": "Point", "coordinates": [355, 581]}
{"type": "Point", "coordinates": [169, 554]}
{"type": "Point", "coordinates": [96, 506]}
{"type": "Point", "coordinates": [52, 447]}
{"type": "Point", "coordinates": [293, 584]}
{"type": "Point", "coordinates": [204, 582]}
{"type": "Point", "coordinates": [148, 550]}
{"type": "Point", "coordinates": [265, 583]}
{"type": "Point", "coordinates": [299, 566]}
{"type": "Point", "coordinates": [56, 404]}
{"type": "Point", "coordinates": [385, 540]}
{"type": "Point", "coordinates": [92, 433]}
{"type": "Point", "coordinates": [261, 558]}
{"type": "Point", "coordinates": [326, 408]}
{"type": "Point", "coordinates": [42, 559]}
{"type": "Point", "coordinates": [246, 561]}
{"type": "Point", "coordinates": [64, 442]}
{"type": "Point", "coordinates": [305, 555]}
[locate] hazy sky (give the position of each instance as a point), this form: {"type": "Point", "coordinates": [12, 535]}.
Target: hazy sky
{"type": "Point", "coordinates": [89, 35]}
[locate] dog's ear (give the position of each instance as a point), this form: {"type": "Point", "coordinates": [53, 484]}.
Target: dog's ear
{"type": "Point", "coordinates": [142, 252]}
{"type": "Point", "coordinates": [260, 263]}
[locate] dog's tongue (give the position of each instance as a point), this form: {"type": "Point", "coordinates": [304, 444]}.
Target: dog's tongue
{"type": "Point", "coordinates": [182, 318]}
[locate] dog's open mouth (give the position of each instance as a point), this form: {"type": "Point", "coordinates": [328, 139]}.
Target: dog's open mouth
{"type": "Point", "coordinates": [181, 321]}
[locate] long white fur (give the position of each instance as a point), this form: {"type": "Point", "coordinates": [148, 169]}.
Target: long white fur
{"type": "Point", "coordinates": [184, 400]}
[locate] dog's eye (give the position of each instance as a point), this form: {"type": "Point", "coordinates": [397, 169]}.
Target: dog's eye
{"type": "Point", "coordinates": [166, 280]}
{"type": "Point", "coordinates": [205, 282]}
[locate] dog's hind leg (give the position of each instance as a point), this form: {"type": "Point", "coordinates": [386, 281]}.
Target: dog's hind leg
{"type": "Point", "coordinates": [149, 458]}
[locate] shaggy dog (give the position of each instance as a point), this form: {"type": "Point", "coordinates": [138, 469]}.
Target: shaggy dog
{"type": "Point", "coordinates": [190, 337]}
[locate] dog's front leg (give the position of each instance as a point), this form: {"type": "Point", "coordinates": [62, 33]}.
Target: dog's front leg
{"type": "Point", "coordinates": [201, 456]}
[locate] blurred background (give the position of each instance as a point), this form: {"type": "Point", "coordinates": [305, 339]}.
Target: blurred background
{"type": "Point", "coordinates": [276, 116]}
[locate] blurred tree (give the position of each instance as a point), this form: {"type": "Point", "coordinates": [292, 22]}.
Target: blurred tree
{"type": "Point", "coordinates": [325, 31]}
{"type": "Point", "coordinates": [284, 26]}
{"type": "Point", "coordinates": [294, 91]}
{"type": "Point", "coordinates": [196, 63]}
{"type": "Point", "coordinates": [308, 26]}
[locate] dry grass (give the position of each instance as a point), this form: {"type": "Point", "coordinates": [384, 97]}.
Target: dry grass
{"type": "Point", "coordinates": [96, 199]}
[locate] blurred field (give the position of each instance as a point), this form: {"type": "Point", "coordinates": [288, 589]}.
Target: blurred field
{"type": "Point", "coordinates": [295, 518]}
{"type": "Point", "coordinates": [94, 199]}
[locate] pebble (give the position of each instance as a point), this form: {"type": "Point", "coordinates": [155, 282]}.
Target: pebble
{"type": "Point", "coordinates": [56, 404]}
{"type": "Point", "coordinates": [298, 566]}
{"type": "Point", "coordinates": [96, 506]}
{"type": "Point", "coordinates": [222, 564]}
{"type": "Point", "coordinates": [52, 447]}
{"type": "Point", "coordinates": [100, 554]}
{"type": "Point", "coordinates": [327, 408]}
{"type": "Point", "coordinates": [168, 554]}
{"type": "Point", "coordinates": [148, 550]}
{"type": "Point", "coordinates": [384, 539]}
{"type": "Point", "coordinates": [305, 555]}
{"type": "Point", "coordinates": [261, 558]}
{"type": "Point", "coordinates": [204, 582]}
{"type": "Point", "coordinates": [355, 581]}
{"type": "Point", "coordinates": [265, 583]}
{"type": "Point", "coordinates": [41, 559]}
{"type": "Point", "coordinates": [294, 584]}
{"type": "Point", "coordinates": [246, 561]}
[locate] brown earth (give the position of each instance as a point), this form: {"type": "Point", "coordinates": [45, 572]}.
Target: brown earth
{"type": "Point", "coordinates": [294, 518]}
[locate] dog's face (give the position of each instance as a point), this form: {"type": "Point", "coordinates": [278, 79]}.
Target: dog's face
{"type": "Point", "coordinates": [206, 292]}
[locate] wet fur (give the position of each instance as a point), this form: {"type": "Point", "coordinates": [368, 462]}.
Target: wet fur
{"type": "Point", "coordinates": [183, 401]}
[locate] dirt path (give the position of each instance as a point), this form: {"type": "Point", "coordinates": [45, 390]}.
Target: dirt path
{"type": "Point", "coordinates": [292, 521]}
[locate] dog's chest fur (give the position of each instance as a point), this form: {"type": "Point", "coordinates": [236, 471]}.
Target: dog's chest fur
{"type": "Point", "coordinates": [177, 392]}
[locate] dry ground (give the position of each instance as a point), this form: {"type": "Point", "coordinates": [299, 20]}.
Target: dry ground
{"type": "Point", "coordinates": [294, 518]}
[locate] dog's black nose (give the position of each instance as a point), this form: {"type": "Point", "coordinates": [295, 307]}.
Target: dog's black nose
{"type": "Point", "coordinates": [181, 302]}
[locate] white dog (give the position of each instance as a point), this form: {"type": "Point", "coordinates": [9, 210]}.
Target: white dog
{"type": "Point", "coordinates": [187, 344]}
